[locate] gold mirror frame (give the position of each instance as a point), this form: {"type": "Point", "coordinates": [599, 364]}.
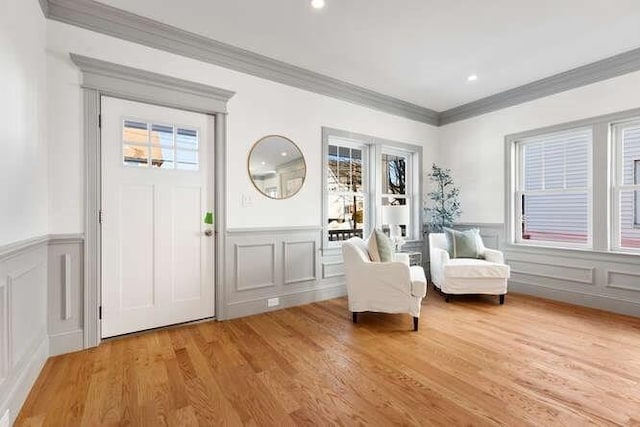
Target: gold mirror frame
{"type": "Point", "coordinates": [304, 164]}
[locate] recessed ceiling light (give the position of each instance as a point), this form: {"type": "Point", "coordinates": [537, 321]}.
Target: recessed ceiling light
{"type": "Point", "coordinates": [472, 78]}
{"type": "Point", "coordinates": [284, 153]}
{"type": "Point", "coordinates": [317, 4]}
{"type": "Point", "coordinates": [263, 163]}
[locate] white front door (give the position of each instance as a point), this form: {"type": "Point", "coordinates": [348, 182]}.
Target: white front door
{"type": "Point", "coordinates": [157, 256]}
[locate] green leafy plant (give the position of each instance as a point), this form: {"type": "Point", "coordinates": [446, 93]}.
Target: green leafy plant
{"type": "Point", "coordinates": [444, 208]}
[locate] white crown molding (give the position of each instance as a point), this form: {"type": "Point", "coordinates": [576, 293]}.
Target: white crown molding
{"type": "Point", "coordinates": [44, 5]}
{"type": "Point", "coordinates": [115, 22]}
{"type": "Point", "coordinates": [101, 18]}
{"type": "Point", "coordinates": [604, 69]}
{"type": "Point", "coordinates": [119, 80]}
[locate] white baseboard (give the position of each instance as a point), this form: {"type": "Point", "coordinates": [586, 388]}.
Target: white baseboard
{"type": "Point", "coordinates": [20, 382]}
{"type": "Point", "coordinates": [66, 342]}
{"type": "Point", "coordinates": [259, 305]}
{"type": "Point", "coordinates": [601, 302]}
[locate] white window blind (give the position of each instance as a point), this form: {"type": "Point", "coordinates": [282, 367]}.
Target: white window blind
{"type": "Point", "coordinates": [627, 186]}
{"type": "Point", "coordinates": [554, 191]}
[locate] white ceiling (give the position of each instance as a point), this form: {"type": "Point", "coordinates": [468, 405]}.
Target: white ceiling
{"type": "Point", "coordinates": [420, 51]}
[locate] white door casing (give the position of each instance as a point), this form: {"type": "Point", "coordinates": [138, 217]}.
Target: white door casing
{"type": "Point", "coordinates": [157, 261]}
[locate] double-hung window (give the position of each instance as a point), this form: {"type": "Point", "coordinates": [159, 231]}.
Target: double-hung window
{"type": "Point", "coordinates": [369, 182]}
{"type": "Point", "coordinates": [396, 186]}
{"type": "Point", "coordinates": [553, 188]}
{"type": "Point", "coordinates": [347, 205]}
{"type": "Point", "coordinates": [626, 186]}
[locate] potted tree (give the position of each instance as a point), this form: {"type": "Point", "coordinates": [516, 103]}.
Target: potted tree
{"type": "Point", "coordinates": [444, 206]}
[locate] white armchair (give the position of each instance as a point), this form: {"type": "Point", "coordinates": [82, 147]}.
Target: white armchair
{"type": "Point", "coordinates": [466, 275]}
{"type": "Point", "coordinates": [387, 287]}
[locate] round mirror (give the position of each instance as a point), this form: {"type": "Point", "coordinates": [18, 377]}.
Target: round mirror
{"type": "Point", "coordinates": [276, 167]}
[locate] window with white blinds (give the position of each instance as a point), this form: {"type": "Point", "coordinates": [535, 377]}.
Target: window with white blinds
{"type": "Point", "coordinates": [554, 188]}
{"type": "Point", "coordinates": [626, 186]}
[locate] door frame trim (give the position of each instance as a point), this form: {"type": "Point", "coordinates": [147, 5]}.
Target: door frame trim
{"type": "Point", "coordinates": [118, 81]}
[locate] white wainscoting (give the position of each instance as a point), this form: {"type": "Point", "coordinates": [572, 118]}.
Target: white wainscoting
{"type": "Point", "coordinates": [24, 343]}
{"type": "Point", "coordinates": [300, 261]}
{"type": "Point", "coordinates": [254, 264]}
{"type": "Point", "coordinates": [601, 280]}
{"type": "Point", "coordinates": [41, 306]}
{"type": "Point", "coordinates": [65, 293]}
{"type": "Point", "coordinates": [275, 262]}
{"type": "Point", "coordinates": [624, 280]}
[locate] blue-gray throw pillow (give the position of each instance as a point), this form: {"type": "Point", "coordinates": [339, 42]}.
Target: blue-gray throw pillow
{"type": "Point", "coordinates": [464, 244]}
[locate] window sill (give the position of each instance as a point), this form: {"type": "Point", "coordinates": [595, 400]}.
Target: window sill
{"type": "Point", "coordinates": [552, 245]}
{"type": "Point", "coordinates": [327, 246]}
{"type": "Point", "coordinates": [575, 252]}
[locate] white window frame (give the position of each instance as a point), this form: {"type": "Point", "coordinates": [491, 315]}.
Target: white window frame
{"type": "Point", "coordinates": [618, 185]}
{"type": "Point", "coordinates": [366, 187]}
{"type": "Point", "coordinates": [517, 191]}
{"type": "Point", "coordinates": [409, 185]}
{"type": "Point", "coordinates": [372, 173]}
{"type": "Point", "coordinates": [636, 199]}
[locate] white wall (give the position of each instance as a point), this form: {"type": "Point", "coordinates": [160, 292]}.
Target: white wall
{"type": "Point", "coordinates": [23, 163]}
{"type": "Point", "coordinates": [259, 108]}
{"type": "Point", "coordinates": [474, 148]}
{"type": "Point", "coordinates": [24, 344]}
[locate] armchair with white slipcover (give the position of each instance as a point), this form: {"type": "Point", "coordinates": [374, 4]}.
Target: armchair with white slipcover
{"type": "Point", "coordinates": [458, 276]}
{"type": "Point", "coordinates": [387, 287]}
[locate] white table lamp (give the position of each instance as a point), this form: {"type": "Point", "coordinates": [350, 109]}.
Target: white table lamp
{"type": "Point", "coordinates": [395, 216]}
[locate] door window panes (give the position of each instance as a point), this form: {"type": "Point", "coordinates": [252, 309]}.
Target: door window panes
{"type": "Point", "coordinates": [159, 146]}
{"type": "Point", "coordinates": [136, 155]}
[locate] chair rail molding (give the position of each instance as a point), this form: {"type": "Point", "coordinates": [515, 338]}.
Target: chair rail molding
{"type": "Point", "coordinates": [104, 19]}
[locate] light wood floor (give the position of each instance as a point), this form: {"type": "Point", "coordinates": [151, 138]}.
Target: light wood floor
{"type": "Point", "coordinates": [473, 362]}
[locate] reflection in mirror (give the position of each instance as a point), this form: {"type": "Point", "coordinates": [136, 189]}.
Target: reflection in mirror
{"type": "Point", "coordinates": [276, 167]}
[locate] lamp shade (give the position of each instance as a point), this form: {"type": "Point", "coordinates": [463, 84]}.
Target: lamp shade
{"type": "Point", "coordinates": [395, 215]}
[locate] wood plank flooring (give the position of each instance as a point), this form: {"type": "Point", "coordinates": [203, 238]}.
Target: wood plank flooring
{"type": "Point", "coordinates": [473, 362]}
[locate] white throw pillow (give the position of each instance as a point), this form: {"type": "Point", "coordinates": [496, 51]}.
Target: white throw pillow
{"type": "Point", "coordinates": [380, 247]}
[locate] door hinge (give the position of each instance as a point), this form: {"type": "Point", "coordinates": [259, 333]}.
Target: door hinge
{"type": "Point", "coordinates": [100, 216]}
{"type": "Point", "coordinates": [100, 120]}
{"type": "Point", "coordinates": [99, 312]}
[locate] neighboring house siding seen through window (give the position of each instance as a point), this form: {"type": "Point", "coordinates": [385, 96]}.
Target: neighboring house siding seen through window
{"type": "Point", "coordinates": [627, 186]}
{"type": "Point", "coordinates": [554, 188]}
{"type": "Point", "coordinates": [576, 186]}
